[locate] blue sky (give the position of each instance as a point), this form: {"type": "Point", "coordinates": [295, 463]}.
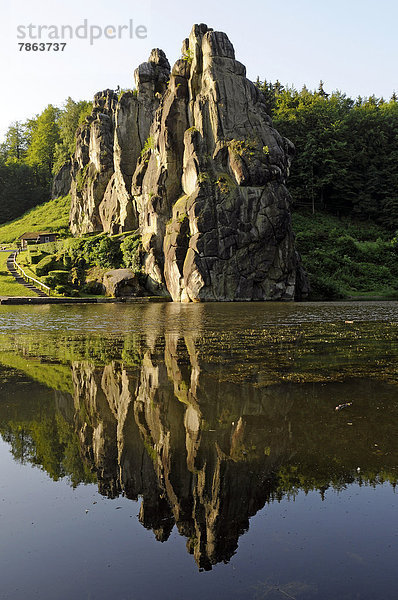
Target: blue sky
{"type": "Point", "coordinates": [351, 44]}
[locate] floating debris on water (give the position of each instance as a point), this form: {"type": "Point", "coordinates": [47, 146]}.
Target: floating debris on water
{"type": "Point", "coordinates": [341, 406]}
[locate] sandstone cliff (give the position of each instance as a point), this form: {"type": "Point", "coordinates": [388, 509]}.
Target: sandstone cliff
{"type": "Point", "coordinates": [191, 159]}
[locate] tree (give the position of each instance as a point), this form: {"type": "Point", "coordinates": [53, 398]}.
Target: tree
{"type": "Point", "coordinates": [19, 190]}
{"type": "Point", "coordinates": [30, 154]}
{"type": "Point", "coordinates": [16, 142]}
{"type": "Point", "coordinates": [72, 114]}
{"type": "Point", "coordinates": [313, 122]}
{"type": "Point", "coordinates": [44, 137]}
{"type": "Point", "coordinates": [321, 91]}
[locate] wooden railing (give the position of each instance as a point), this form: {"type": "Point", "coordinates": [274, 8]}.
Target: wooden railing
{"type": "Point", "coordinates": [39, 284]}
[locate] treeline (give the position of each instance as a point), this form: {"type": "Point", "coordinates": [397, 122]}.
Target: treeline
{"type": "Point", "coordinates": [33, 152]}
{"type": "Point", "coordinates": [346, 151]}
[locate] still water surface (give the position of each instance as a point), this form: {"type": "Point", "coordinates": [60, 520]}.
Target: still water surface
{"type": "Point", "coordinates": [168, 451]}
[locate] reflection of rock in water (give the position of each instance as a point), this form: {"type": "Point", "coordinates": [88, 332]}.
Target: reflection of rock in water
{"type": "Point", "coordinates": [204, 471]}
{"type": "Point", "coordinates": [164, 432]}
{"type": "Point", "coordinates": [97, 425]}
{"type": "Point", "coordinates": [206, 454]}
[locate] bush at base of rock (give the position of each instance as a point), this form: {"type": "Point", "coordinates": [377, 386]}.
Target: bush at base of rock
{"type": "Point", "coordinates": [130, 248]}
{"type": "Point", "coordinates": [59, 277]}
{"type": "Point", "coordinates": [93, 287]}
{"type": "Point", "coordinates": [47, 264]}
{"type": "Point", "coordinates": [47, 280]}
{"type": "Point", "coordinates": [34, 258]}
{"type": "Point", "coordinates": [64, 290]}
{"type": "Point", "coordinates": [325, 288]}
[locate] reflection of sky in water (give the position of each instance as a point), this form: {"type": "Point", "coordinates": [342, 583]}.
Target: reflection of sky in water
{"type": "Point", "coordinates": [342, 547]}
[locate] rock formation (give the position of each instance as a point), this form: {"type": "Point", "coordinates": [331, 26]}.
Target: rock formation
{"type": "Point", "coordinates": [121, 283]}
{"type": "Point", "coordinates": [191, 159]}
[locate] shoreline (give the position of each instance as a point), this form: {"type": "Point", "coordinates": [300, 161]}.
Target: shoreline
{"type": "Point", "coordinates": [38, 300]}
{"type": "Point", "coordinates": [19, 300]}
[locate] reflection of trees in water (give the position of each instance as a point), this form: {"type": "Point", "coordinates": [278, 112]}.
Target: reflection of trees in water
{"type": "Point", "coordinates": [39, 432]}
{"type": "Point", "coordinates": [161, 420]}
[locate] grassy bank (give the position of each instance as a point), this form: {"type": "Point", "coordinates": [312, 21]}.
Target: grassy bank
{"type": "Point", "coordinates": [346, 258]}
{"type": "Point", "coordinates": [8, 285]}
{"type": "Point", "coordinates": [51, 216]}
{"type": "Point", "coordinates": [76, 266]}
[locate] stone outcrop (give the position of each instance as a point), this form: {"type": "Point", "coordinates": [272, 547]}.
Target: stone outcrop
{"type": "Point", "coordinates": [92, 164]}
{"type": "Point", "coordinates": [191, 159]}
{"type": "Point", "coordinates": [62, 181]}
{"type": "Point", "coordinates": [109, 144]}
{"type": "Point", "coordinates": [122, 282]}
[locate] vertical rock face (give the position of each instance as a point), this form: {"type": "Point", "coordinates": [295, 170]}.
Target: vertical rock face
{"type": "Point", "coordinates": [92, 164]}
{"type": "Point", "coordinates": [193, 161]}
{"type": "Point", "coordinates": [108, 147]}
{"type": "Point", "coordinates": [62, 181]}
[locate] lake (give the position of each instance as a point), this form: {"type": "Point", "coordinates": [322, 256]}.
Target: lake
{"type": "Point", "coordinates": [235, 450]}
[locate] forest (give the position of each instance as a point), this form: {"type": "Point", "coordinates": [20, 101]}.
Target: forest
{"type": "Point", "coordinates": [33, 152]}
{"type": "Point", "coordinates": [346, 159]}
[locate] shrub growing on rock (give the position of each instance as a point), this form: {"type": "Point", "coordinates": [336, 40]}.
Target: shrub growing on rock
{"type": "Point", "coordinates": [130, 248]}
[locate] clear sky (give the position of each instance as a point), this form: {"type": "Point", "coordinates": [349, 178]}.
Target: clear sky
{"type": "Point", "coordinates": [352, 45]}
